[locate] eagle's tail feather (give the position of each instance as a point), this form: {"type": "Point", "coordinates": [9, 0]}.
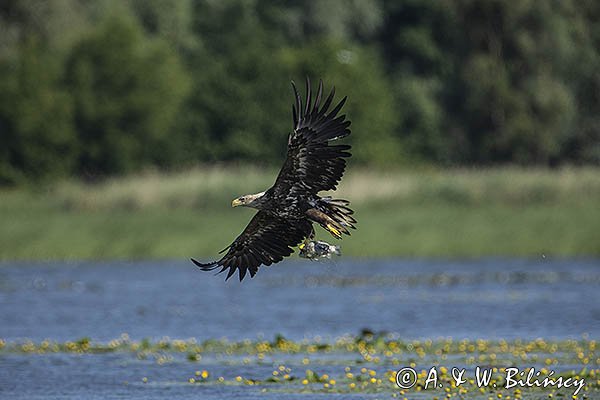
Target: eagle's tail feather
{"type": "Point", "coordinates": [334, 215]}
{"type": "Point", "coordinates": [338, 210]}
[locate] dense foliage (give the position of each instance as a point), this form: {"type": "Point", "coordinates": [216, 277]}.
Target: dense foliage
{"type": "Point", "coordinates": [105, 87]}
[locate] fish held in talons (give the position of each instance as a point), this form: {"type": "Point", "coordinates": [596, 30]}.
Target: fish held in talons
{"type": "Point", "coordinates": [318, 249]}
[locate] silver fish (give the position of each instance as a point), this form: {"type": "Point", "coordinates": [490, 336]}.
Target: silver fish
{"type": "Point", "coordinates": [316, 249]}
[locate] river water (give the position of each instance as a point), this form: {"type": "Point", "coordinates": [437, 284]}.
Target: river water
{"type": "Point", "coordinates": [414, 299]}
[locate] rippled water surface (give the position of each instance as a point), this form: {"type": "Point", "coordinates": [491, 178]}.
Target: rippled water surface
{"type": "Point", "coordinates": [491, 299]}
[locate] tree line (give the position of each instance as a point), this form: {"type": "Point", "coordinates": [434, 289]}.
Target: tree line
{"type": "Point", "coordinates": [108, 87]}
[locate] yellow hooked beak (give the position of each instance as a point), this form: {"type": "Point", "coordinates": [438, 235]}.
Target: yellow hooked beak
{"type": "Point", "coordinates": [236, 202]}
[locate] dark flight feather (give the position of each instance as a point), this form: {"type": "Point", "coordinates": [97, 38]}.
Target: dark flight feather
{"type": "Point", "coordinates": [269, 236]}
{"type": "Point", "coordinates": [312, 164]}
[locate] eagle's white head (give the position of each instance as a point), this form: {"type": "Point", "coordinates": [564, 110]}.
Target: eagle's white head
{"type": "Point", "coordinates": [248, 200]}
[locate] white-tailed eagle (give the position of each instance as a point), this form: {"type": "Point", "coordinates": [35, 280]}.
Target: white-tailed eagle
{"type": "Point", "coordinates": [287, 210]}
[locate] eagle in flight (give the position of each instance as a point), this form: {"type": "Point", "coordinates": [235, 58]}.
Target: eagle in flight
{"type": "Point", "coordinates": [287, 210]}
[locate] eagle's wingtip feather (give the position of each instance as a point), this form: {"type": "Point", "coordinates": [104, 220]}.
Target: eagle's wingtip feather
{"type": "Point", "coordinates": [205, 266]}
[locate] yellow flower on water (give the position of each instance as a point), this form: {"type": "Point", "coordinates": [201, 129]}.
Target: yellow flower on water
{"type": "Point", "coordinates": [192, 380]}
{"type": "Point", "coordinates": [332, 382]}
{"type": "Point", "coordinates": [204, 374]}
{"type": "Point", "coordinates": [352, 385]}
{"type": "Point", "coordinates": [238, 378]}
{"type": "Point", "coordinates": [305, 381]}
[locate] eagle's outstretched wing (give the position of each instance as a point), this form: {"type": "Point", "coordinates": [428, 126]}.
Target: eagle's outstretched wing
{"type": "Point", "coordinates": [312, 163]}
{"type": "Point", "coordinates": [266, 240]}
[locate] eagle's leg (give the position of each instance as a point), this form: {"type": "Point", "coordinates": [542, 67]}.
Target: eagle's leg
{"type": "Point", "coordinates": [307, 239]}
{"type": "Point", "coordinates": [327, 223]}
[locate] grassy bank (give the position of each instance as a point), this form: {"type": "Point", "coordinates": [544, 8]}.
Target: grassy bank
{"type": "Point", "coordinates": [429, 213]}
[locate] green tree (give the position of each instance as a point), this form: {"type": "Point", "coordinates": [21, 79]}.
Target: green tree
{"type": "Point", "coordinates": [170, 20]}
{"type": "Point", "coordinates": [301, 21]}
{"type": "Point", "coordinates": [36, 131]}
{"type": "Point", "coordinates": [483, 81]}
{"type": "Point", "coordinates": [515, 105]}
{"type": "Point", "coordinates": [416, 38]}
{"type": "Point", "coordinates": [237, 109]}
{"type": "Point", "coordinates": [126, 91]}
{"type": "Point", "coordinates": [581, 74]}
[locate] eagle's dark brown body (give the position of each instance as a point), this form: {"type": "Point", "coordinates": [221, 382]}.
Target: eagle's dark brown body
{"type": "Point", "coordinates": [288, 209]}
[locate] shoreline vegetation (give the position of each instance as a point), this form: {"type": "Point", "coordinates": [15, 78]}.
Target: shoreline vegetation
{"type": "Point", "coordinates": [453, 213]}
{"type": "Point", "coordinates": [357, 364]}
